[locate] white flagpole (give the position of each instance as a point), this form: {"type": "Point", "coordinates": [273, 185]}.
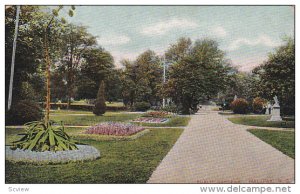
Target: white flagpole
{"type": "Point", "coordinates": [13, 58]}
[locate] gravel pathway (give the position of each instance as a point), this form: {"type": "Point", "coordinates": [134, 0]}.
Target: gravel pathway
{"type": "Point", "coordinates": [213, 150]}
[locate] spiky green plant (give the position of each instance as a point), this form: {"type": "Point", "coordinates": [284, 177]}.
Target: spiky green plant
{"type": "Point", "coordinates": [45, 136]}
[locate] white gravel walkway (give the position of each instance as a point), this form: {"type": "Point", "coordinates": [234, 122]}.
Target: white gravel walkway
{"type": "Point", "coordinates": [213, 150]}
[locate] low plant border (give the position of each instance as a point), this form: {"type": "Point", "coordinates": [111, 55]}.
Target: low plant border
{"type": "Point", "coordinates": [84, 153]}
{"type": "Point", "coordinates": [167, 120]}
{"type": "Point", "coordinates": [81, 135]}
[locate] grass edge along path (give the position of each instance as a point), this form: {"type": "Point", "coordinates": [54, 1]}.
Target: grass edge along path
{"type": "Point", "coordinates": [283, 141]}
{"type": "Point", "coordinates": [261, 121]}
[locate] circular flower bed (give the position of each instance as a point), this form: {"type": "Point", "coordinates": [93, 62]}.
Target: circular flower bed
{"type": "Point", "coordinates": [83, 153]}
{"type": "Point", "coordinates": [151, 120]}
{"type": "Point", "coordinates": [117, 129]}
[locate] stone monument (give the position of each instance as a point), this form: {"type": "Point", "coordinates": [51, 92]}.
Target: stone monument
{"type": "Point", "coordinates": [235, 97]}
{"type": "Point", "coordinates": [275, 111]}
{"type": "Point", "coordinates": [268, 108]}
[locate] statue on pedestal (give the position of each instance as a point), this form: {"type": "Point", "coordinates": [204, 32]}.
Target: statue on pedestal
{"type": "Point", "coordinates": [268, 108]}
{"type": "Point", "coordinates": [275, 111]}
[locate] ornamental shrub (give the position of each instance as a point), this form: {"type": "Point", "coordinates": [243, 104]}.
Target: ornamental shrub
{"type": "Point", "coordinates": [170, 108]}
{"type": "Point", "coordinates": [43, 136]}
{"type": "Point", "coordinates": [142, 106]}
{"type": "Point", "coordinates": [258, 105]}
{"type": "Point", "coordinates": [239, 106]}
{"type": "Point", "coordinates": [22, 112]}
{"type": "Point", "coordinates": [100, 106]}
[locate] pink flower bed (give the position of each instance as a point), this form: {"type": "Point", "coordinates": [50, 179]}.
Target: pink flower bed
{"type": "Point", "coordinates": [151, 120]}
{"type": "Point", "coordinates": [111, 128]}
{"type": "Point", "coordinates": [157, 114]}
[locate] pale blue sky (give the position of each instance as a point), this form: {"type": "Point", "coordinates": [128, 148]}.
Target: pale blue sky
{"type": "Point", "coordinates": [246, 33]}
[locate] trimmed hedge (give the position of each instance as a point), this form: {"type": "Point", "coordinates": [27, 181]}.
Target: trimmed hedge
{"type": "Point", "coordinates": [87, 107]}
{"type": "Point", "coordinates": [142, 106]}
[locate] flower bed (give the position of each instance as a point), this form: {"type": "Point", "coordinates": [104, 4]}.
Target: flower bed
{"type": "Point", "coordinates": [151, 120]}
{"type": "Point", "coordinates": [157, 114]}
{"type": "Point", "coordinates": [112, 128]}
{"type": "Point", "coordinates": [83, 153]}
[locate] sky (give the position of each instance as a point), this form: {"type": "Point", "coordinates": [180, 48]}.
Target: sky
{"type": "Point", "coordinates": [246, 33]}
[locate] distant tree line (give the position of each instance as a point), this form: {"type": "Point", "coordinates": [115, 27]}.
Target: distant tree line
{"type": "Point", "coordinates": [197, 72]}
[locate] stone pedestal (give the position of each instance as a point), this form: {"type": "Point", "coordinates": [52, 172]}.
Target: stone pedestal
{"type": "Point", "coordinates": [267, 111]}
{"type": "Point", "coordinates": [275, 113]}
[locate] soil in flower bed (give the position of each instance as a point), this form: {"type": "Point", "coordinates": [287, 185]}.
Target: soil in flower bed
{"type": "Point", "coordinates": [150, 120]}
{"type": "Point", "coordinates": [112, 128]}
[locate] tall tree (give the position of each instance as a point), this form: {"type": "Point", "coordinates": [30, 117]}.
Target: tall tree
{"type": "Point", "coordinates": [28, 54]}
{"type": "Point", "coordinates": [76, 41]}
{"type": "Point", "coordinates": [113, 86]}
{"type": "Point", "coordinates": [276, 76]}
{"type": "Point", "coordinates": [198, 76]}
{"type": "Point", "coordinates": [97, 65]}
{"type": "Point", "coordinates": [141, 79]}
{"type": "Point", "coordinates": [179, 50]}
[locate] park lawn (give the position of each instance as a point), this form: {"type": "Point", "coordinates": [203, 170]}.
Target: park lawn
{"type": "Point", "coordinates": [87, 120]}
{"type": "Point", "coordinates": [284, 141]}
{"type": "Point", "coordinates": [175, 121]}
{"type": "Point", "coordinates": [261, 121]}
{"type": "Point", "coordinates": [121, 162]}
{"type": "Point", "coordinates": [115, 104]}
{"type": "Point", "coordinates": [63, 111]}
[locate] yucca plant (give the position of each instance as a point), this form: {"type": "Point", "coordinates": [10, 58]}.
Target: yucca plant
{"type": "Point", "coordinates": [45, 136]}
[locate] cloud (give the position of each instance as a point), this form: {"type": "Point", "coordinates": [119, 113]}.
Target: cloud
{"type": "Point", "coordinates": [113, 39]}
{"type": "Point", "coordinates": [248, 61]}
{"type": "Point", "coordinates": [219, 31]}
{"type": "Point", "coordinates": [119, 56]}
{"type": "Point", "coordinates": [261, 40]}
{"type": "Point", "coordinates": [163, 27]}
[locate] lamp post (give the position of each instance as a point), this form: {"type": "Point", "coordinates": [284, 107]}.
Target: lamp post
{"type": "Point", "coordinates": [164, 78]}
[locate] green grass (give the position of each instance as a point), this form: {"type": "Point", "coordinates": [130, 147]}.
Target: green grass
{"type": "Point", "coordinates": [118, 104]}
{"type": "Point", "coordinates": [284, 141]}
{"type": "Point", "coordinates": [69, 112]}
{"type": "Point", "coordinates": [261, 121]}
{"type": "Point", "coordinates": [176, 121]}
{"type": "Point", "coordinates": [121, 161]}
{"type": "Point", "coordinates": [83, 102]}
{"type": "Point", "coordinates": [82, 120]}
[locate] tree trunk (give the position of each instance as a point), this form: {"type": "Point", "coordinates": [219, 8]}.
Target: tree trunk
{"type": "Point", "coordinates": [47, 59]}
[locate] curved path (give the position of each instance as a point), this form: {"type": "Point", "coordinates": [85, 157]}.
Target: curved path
{"type": "Point", "coordinates": [213, 150]}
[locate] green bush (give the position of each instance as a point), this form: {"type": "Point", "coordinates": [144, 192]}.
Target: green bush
{"type": "Point", "coordinates": [258, 105]}
{"type": "Point", "coordinates": [100, 106]}
{"type": "Point", "coordinates": [142, 106]}
{"type": "Point", "coordinates": [170, 108]}
{"type": "Point", "coordinates": [239, 106]}
{"type": "Point", "coordinates": [22, 112]}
